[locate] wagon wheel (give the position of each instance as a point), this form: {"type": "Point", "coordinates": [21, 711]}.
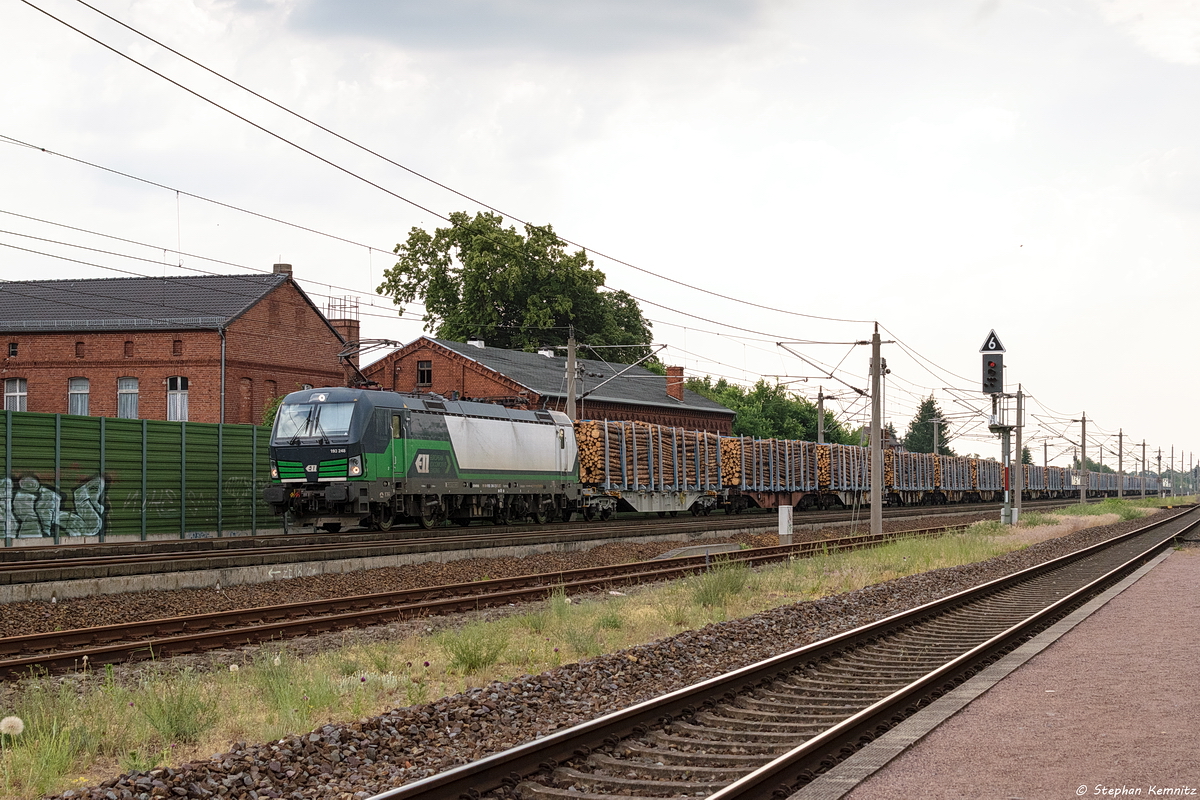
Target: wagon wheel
{"type": "Point", "coordinates": [606, 514]}
{"type": "Point", "coordinates": [589, 513]}
{"type": "Point", "coordinates": [432, 514]}
{"type": "Point", "coordinates": [385, 520]}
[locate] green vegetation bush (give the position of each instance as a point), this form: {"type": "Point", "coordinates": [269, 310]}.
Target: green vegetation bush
{"type": "Point", "coordinates": [474, 647]}
{"type": "Point", "coordinates": [725, 580]}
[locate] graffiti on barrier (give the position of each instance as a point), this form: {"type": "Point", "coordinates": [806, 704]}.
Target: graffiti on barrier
{"type": "Point", "coordinates": [32, 509]}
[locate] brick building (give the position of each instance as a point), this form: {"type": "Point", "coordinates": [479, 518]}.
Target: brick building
{"type": "Point", "coordinates": [538, 380]}
{"type": "Point", "coordinates": [207, 348]}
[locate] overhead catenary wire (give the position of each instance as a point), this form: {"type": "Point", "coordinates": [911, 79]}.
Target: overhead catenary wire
{"type": "Point", "coordinates": [388, 160]}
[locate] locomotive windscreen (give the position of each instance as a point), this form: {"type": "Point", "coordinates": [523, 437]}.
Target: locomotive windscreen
{"type": "Point", "coordinates": [322, 421]}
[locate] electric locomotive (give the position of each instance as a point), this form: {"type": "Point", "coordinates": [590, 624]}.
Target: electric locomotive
{"type": "Point", "coordinates": [351, 457]}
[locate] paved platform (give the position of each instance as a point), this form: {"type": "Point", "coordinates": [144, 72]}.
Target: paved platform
{"type": "Point", "coordinates": [1104, 704]}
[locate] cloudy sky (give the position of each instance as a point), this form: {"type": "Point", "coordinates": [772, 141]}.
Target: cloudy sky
{"type": "Point", "coordinates": [943, 168]}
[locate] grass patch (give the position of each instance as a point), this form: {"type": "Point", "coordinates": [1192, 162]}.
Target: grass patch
{"type": "Point", "coordinates": [725, 580]}
{"type": "Point", "coordinates": [178, 708]}
{"type": "Point", "coordinates": [474, 647]}
{"type": "Point", "coordinates": [1125, 509]}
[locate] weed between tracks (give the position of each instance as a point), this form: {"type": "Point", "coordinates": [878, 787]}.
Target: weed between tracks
{"type": "Point", "coordinates": [87, 727]}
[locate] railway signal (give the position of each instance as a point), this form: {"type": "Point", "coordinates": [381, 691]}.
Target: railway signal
{"type": "Point", "coordinates": [993, 373]}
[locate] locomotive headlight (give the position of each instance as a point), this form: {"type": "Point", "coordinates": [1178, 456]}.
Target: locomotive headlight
{"type": "Point", "coordinates": [274, 470]}
{"type": "Point", "coordinates": [354, 465]}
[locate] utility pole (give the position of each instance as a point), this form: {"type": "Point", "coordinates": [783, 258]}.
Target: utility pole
{"type": "Point", "coordinates": [1143, 467]}
{"type": "Point", "coordinates": [1160, 472]}
{"type": "Point", "coordinates": [1019, 469]}
{"type": "Point", "coordinates": [1172, 470]}
{"type": "Point", "coordinates": [1045, 455]}
{"type": "Point", "coordinates": [820, 415]}
{"type": "Point", "coordinates": [1083, 479]}
{"type": "Point", "coordinates": [876, 438]}
{"type": "Point", "coordinates": [937, 423]}
{"type": "Point", "coordinates": [571, 373]}
{"type": "Point", "coordinates": [1120, 463]}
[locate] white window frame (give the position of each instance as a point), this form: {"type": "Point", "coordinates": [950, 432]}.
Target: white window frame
{"type": "Point", "coordinates": [78, 393]}
{"type": "Point", "coordinates": [177, 398]}
{"type": "Point", "coordinates": [124, 392]}
{"type": "Point", "coordinates": [16, 394]}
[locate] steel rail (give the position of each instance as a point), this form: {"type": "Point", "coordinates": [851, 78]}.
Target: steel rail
{"type": "Point", "coordinates": [177, 635]}
{"type": "Point", "coordinates": [510, 767]}
{"type": "Point", "coordinates": [52, 557]}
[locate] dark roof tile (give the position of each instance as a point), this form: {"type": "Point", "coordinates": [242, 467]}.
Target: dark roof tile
{"type": "Point", "coordinates": [547, 375]}
{"type": "Point", "coordinates": [187, 302]}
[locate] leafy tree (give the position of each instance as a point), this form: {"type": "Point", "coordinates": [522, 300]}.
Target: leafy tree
{"type": "Point", "coordinates": [919, 438]}
{"type": "Point", "coordinates": [1092, 466]}
{"type": "Point", "coordinates": [478, 279]}
{"type": "Point", "coordinates": [766, 411]}
{"type": "Point", "coordinates": [271, 409]}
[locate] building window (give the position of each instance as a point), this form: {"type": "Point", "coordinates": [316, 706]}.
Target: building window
{"type": "Point", "coordinates": [177, 387]}
{"type": "Point", "coordinates": [424, 373]}
{"type": "Point", "coordinates": [77, 396]}
{"type": "Point", "coordinates": [79, 349]}
{"type": "Point", "coordinates": [129, 349]}
{"type": "Point", "coordinates": [12, 349]}
{"type": "Point", "coordinates": [15, 390]}
{"type": "Point", "coordinates": [127, 397]}
{"type": "Point", "coordinates": [177, 348]}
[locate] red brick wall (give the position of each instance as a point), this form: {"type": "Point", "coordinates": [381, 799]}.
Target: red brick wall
{"type": "Point", "coordinates": [297, 349]}
{"type": "Point", "coordinates": [451, 373]}
{"type": "Point", "coordinates": [281, 339]}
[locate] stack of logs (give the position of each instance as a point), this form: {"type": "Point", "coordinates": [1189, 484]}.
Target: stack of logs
{"type": "Point", "coordinates": [652, 454]}
{"type": "Point", "coordinates": [766, 464]}
{"type": "Point", "coordinates": [731, 461]}
{"type": "Point", "coordinates": [824, 466]}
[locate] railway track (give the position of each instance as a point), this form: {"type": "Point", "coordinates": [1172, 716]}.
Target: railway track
{"type": "Point", "coordinates": [768, 729]}
{"type": "Point", "coordinates": [61, 651]}
{"type": "Point", "coordinates": [26, 565]}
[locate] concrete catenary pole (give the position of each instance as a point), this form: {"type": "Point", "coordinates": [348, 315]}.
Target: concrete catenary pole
{"type": "Point", "coordinates": [1019, 459]}
{"type": "Point", "coordinates": [1143, 467]}
{"type": "Point", "coordinates": [571, 374]}
{"type": "Point", "coordinates": [820, 415]}
{"type": "Point", "coordinates": [876, 438]}
{"type": "Point", "coordinates": [1120, 463]}
{"type": "Point", "coordinates": [1083, 478]}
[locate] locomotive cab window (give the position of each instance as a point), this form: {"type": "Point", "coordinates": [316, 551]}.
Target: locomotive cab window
{"type": "Point", "coordinates": [397, 427]}
{"type": "Point", "coordinates": [320, 421]}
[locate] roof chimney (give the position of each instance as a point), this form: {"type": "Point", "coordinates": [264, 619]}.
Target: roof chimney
{"type": "Point", "coordinates": [675, 383]}
{"type": "Point", "coordinates": [282, 269]}
{"type": "Point", "coordinates": [475, 343]}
